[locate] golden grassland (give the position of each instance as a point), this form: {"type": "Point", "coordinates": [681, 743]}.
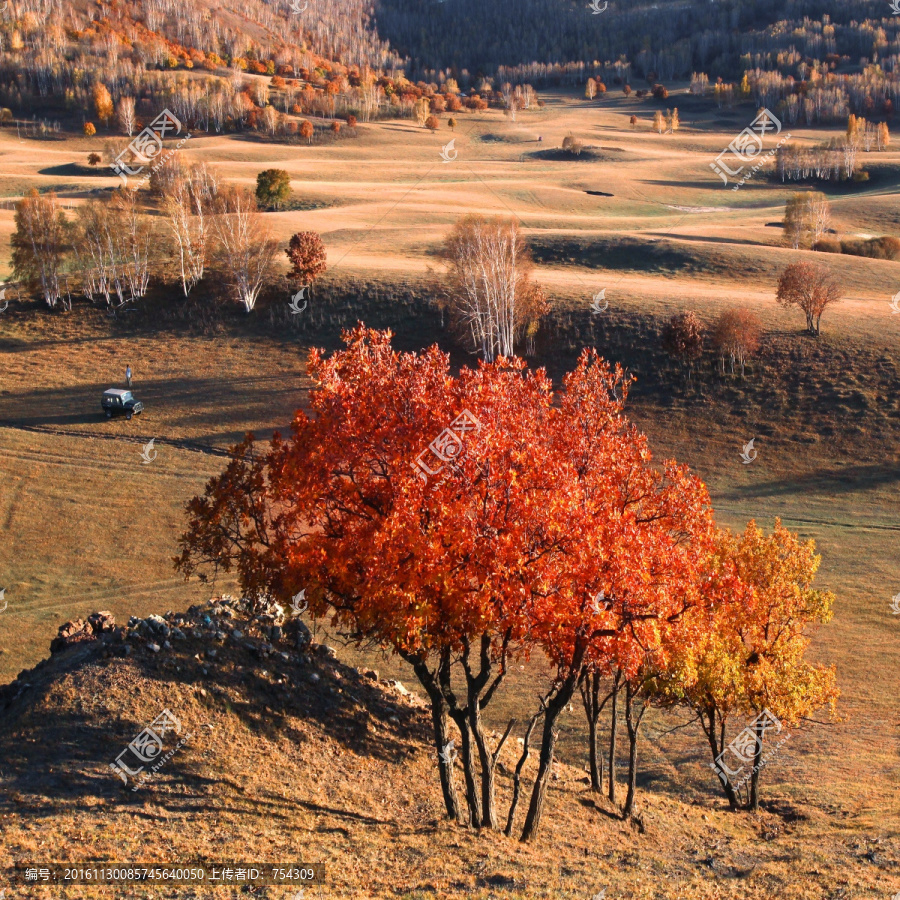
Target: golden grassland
{"type": "Point", "coordinates": [87, 525]}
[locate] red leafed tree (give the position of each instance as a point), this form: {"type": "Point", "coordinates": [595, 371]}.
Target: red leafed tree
{"type": "Point", "coordinates": [810, 286]}
{"type": "Point", "coordinates": [736, 335]}
{"type": "Point", "coordinates": [461, 522]}
{"type": "Point", "coordinates": [682, 338]}
{"type": "Point", "coordinates": [306, 253]}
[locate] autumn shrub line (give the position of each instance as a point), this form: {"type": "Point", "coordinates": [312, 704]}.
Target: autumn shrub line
{"type": "Point", "coordinates": [468, 522]}
{"type": "Point", "coordinates": [110, 250]}
{"type": "Point", "coordinates": [886, 247]}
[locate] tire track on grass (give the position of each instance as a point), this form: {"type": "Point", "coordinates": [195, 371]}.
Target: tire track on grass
{"type": "Point", "coordinates": [177, 443]}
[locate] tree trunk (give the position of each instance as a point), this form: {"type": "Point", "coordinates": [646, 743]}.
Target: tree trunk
{"type": "Point", "coordinates": [633, 724]}
{"type": "Point", "coordinates": [517, 776]}
{"type": "Point", "coordinates": [710, 731]}
{"type": "Point", "coordinates": [488, 805]}
{"type": "Point", "coordinates": [479, 690]}
{"type": "Point", "coordinates": [552, 711]}
{"type": "Point", "coordinates": [753, 804]}
{"type": "Point", "coordinates": [439, 709]}
{"type": "Point", "coordinates": [445, 761]}
{"type": "Point", "coordinates": [612, 737]}
{"type": "Point", "coordinates": [467, 754]}
{"type": "Point", "coordinates": [590, 696]}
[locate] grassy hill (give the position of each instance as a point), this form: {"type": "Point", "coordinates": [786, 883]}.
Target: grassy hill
{"type": "Point", "coordinates": [294, 755]}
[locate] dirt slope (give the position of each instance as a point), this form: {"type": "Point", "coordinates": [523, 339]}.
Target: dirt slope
{"type": "Point", "coordinates": [293, 755]}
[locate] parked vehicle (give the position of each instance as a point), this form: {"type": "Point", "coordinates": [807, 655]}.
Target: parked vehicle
{"type": "Point", "coordinates": [117, 402]}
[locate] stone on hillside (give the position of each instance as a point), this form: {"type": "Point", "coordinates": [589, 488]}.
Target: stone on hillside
{"type": "Point", "coordinates": [297, 633]}
{"type": "Point", "coordinates": [101, 621]}
{"type": "Point", "coordinates": [74, 632]}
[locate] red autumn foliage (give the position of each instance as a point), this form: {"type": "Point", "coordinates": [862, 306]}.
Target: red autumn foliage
{"type": "Point", "coordinates": [538, 503]}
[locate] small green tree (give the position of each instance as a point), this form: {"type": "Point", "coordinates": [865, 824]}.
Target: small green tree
{"type": "Point", "coordinates": [273, 187]}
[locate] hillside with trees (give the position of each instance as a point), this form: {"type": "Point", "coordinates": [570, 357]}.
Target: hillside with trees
{"type": "Point", "coordinates": [562, 39]}
{"type": "Point", "coordinates": [107, 68]}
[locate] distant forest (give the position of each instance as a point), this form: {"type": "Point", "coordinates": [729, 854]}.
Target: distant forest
{"type": "Point", "coordinates": [668, 38]}
{"type": "Point", "coordinates": [289, 68]}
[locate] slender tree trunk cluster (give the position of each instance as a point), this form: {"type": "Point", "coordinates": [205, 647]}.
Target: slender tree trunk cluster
{"type": "Point", "coordinates": [112, 248]}
{"type": "Point", "coordinates": [490, 295]}
{"type": "Point", "coordinates": [481, 677]}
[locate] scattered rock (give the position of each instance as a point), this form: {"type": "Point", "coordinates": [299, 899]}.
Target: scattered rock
{"type": "Point", "coordinates": [153, 648]}
{"type": "Point", "coordinates": [101, 621]}
{"type": "Point", "coordinates": [501, 881]}
{"type": "Point", "coordinates": [368, 673]}
{"type": "Point", "coordinates": [70, 633]}
{"type": "Point", "coordinates": [325, 651]}
{"type": "Point", "coordinates": [297, 633]}
{"type": "Point", "coordinates": [399, 688]}
{"type": "Point", "coordinates": [78, 631]}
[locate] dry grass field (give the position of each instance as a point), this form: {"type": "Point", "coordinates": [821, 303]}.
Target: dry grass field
{"type": "Point", "coordinates": [87, 525]}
